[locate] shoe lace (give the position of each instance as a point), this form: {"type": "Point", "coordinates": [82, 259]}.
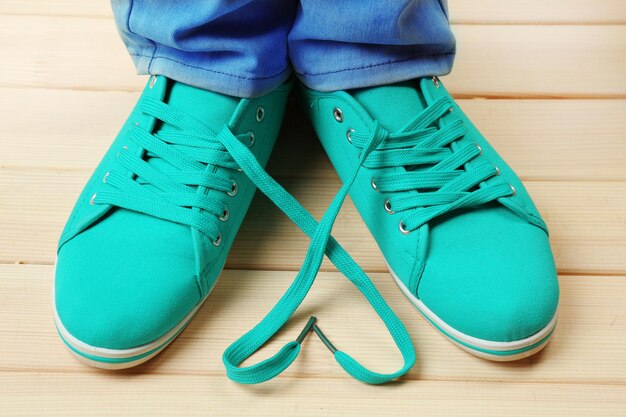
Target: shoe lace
{"type": "Point", "coordinates": [437, 178]}
{"type": "Point", "coordinates": [174, 195]}
{"type": "Point", "coordinates": [175, 199]}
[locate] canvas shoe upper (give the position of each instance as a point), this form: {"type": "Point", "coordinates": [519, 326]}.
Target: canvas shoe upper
{"type": "Point", "coordinates": [457, 228]}
{"type": "Point", "coordinates": [151, 230]}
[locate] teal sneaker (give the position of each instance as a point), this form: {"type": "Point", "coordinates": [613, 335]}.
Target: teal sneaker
{"type": "Point", "coordinates": [459, 233]}
{"type": "Point", "coordinates": [151, 230]}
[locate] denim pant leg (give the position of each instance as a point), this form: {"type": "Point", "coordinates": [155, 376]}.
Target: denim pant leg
{"type": "Point", "coordinates": [234, 47]}
{"type": "Point", "coordinates": [342, 44]}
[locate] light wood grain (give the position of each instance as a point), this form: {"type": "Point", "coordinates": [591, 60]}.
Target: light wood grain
{"type": "Point", "coordinates": [527, 61]}
{"type": "Point", "coordinates": [549, 140]}
{"type": "Point", "coordinates": [30, 394]}
{"type": "Point", "coordinates": [585, 218]}
{"type": "Point", "coordinates": [521, 61]}
{"type": "Point", "coordinates": [537, 12]}
{"type": "Point", "coordinates": [474, 12]}
{"type": "Point", "coordinates": [591, 320]}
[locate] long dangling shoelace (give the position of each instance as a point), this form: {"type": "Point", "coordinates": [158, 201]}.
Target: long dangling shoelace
{"type": "Point", "coordinates": [321, 242]}
{"type": "Point", "coordinates": [172, 197]}
{"type": "Point", "coordinates": [456, 185]}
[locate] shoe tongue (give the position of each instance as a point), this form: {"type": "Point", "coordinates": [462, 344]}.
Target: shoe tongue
{"type": "Point", "coordinates": [392, 105]}
{"type": "Point", "coordinates": [212, 109]}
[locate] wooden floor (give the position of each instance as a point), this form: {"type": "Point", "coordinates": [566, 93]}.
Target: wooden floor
{"type": "Point", "coordinates": [544, 80]}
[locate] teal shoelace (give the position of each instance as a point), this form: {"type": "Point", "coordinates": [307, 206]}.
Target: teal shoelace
{"type": "Point", "coordinates": [173, 197]}
{"type": "Point", "coordinates": [437, 179]}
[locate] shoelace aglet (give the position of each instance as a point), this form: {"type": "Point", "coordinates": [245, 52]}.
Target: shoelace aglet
{"type": "Point", "coordinates": [310, 325]}
{"type": "Point", "coordinates": [307, 328]}
{"type": "Point", "coordinates": [324, 339]}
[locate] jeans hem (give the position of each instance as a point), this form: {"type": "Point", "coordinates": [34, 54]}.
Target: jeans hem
{"type": "Point", "coordinates": [381, 73]}
{"type": "Point", "coordinates": [209, 79]}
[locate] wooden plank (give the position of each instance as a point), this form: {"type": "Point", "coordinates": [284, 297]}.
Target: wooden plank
{"type": "Point", "coordinates": [558, 61]}
{"type": "Point", "coordinates": [587, 346]}
{"type": "Point", "coordinates": [549, 140]}
{"type": "Point", "coordinates": [537, 12]}
{"type": "Point", "coordinates": [186, 395]}
{"type": "Point", "coordinates": [586, 220]}
{"type": "Point", "coordinates": [478, 11]}
{"type": "Point", "coordinates": [527, 61]}
{"type": "Point", "coordinates": [100, 9]}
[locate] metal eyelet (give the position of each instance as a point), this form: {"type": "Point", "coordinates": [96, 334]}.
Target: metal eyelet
{"type": "Point", "coordinates": [104, 179]}
{"type": "Point", "coordinates": [513, 189]}
{"type": "Point", "coordinates": [218, 240]}
{"type": "Point", "coordinates": [225, 215]}
{"type": "Point", "coordinates": [153, 81]}
{"type": "Point", "coordinates": [124, 148]}
{"type": "Point", "coordinates": [374, 186]}
{"type": "Point", "coordinates": [338, 114]}
{"type": "Point", "coordinates": [260, 114]}
{"type": "Point", "coordinates": [436, 81]}
{"type": "Point", "coordinates": [387, 206]}
{"type": "Point", "coordinates": [349, 135]}
{"type": "Point", "coordinates": [402, 228]}
{"type": "Point", "coordinates": [480, 148]}
{"type": "Point", "coordinates": [497, 170]}
{"type": "Point", "coordinates": [450, 109]}
{"type": "Point", "coordinates": [92, 199]}
{"type": "Point", "coordinates": [233, 190]}
{"type": "Point", "coordinates": [252, 138]}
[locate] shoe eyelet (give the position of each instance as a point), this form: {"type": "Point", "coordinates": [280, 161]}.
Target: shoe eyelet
{"type": "Point", "coordinates": [218, 240]}
{"type": "Point", "coordinates": [374, 186]}
{"type": "Point", "coordinates": [436, 81]}
{"type": "Point", "coordinates": [513, 189]}
{"type": "Point", "coordinates": [124, 148]}
{"type": "Point", "coordinates": [252, 138]}
{"type": "Point", "coordinates": [260, 114]}
{"type": "Point", "coordinates": [349, 134]}
{"type": "Point", "coordinates": [497, 170]}
{"type": "Point", "coordinates": [387, 206]}
{"type": "Point", "coordinates": [338, 114]}
{"type": "Point", "coordinates": [92, 199]}
{"type": "Point", "coordinates": [104, 179]}
{"type": "Point", "coordinates": [402, 228]}
{"type": "Point", "coordinates": [480, 148]}
{"type": "Point", "coordinates": [225, 215]}
{"type": "Point", "coordinates": [233, 190]}
{"type": "Point", "coordinates": [153, 81]}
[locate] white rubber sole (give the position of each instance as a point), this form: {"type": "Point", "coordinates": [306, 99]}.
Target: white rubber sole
{"type": "Point", "coordinates": [114, 359]}
{"type": "Point", "coordinates": [486, 349]}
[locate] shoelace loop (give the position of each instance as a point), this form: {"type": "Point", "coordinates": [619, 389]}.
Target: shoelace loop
{"type": "Point", "coordinates": [321, 243]}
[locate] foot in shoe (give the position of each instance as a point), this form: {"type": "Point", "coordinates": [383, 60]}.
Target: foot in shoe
{"type": "Point", "coordinates": [150, 233]}
{"type": "Point", "coordinates": [459, 232]}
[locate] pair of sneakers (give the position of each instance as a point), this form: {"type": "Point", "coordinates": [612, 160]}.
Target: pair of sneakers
{"type": "Point", "coordinates": [151, 230]}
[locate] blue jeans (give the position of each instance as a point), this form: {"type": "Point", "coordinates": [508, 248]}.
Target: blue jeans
{"type": "Point", "coordinates": [247, 48]}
